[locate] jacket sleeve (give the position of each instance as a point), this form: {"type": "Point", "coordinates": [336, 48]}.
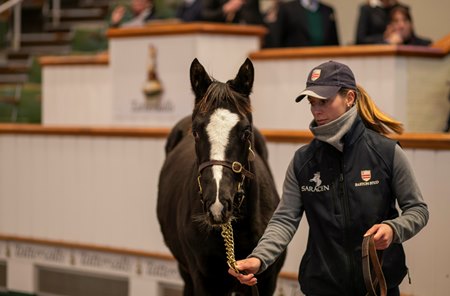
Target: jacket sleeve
{"type": "Point", "coordinates": [362, 34]}
{"type": "Point", "coordinates": [212, 11]}
{"type": "Point", "coordinates": [334, 39]}
{"type": "Point", "coordinates": [414, 209]}
{"type": "Point", "coordinates": [283, 224]}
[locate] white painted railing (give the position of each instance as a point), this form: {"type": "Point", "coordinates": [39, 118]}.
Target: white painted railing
{"type": "Point", "coordinates": [101, 189]}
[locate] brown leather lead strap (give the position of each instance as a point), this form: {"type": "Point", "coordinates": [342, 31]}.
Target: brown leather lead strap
{"type": "Point", "coordinates": [370, 257]}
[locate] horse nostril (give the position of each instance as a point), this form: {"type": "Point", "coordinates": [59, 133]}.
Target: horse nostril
{"type": "Point", "coordinates": [229, 205]}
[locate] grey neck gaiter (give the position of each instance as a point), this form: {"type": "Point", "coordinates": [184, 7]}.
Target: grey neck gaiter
{"type": "Point", "coordinates": [333, 131]}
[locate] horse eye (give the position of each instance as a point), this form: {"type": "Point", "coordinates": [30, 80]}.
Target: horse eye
{"type": "Point", "coordinates": [195, 134]}
{"type": "Point", "coordinates": [246, 135]}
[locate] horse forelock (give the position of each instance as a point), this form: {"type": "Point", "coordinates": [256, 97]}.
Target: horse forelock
{"type": "Point", "coordinates": [221, 95]}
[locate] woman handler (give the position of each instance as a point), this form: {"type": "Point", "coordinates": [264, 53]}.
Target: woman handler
{"type": "Point", "coordinates": [347, 182]}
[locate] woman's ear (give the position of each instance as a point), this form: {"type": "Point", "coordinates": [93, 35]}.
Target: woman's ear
{"type": "Point", "coordinates": [350, 98]}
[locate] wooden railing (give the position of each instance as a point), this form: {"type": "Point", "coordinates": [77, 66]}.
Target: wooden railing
{"type": "Point", "coordinates": [348, 51]}
{"type": "Point", "coordinates": [432, 141]}
{"type": "Point", "coordinates": [173, 28]}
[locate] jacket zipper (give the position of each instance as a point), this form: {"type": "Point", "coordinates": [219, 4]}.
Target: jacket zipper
{"type": "Point", "coordinates": [349, 251]}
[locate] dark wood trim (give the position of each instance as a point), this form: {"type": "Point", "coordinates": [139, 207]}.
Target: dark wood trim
{"type": "Point", "coordinates": [33, 129]}
{"type": "Point", "coordinates": [431, 141]}
{"type": "Point", "coordinates": [156, 29]}
{"type": "Point", "coordinates": [443, 44]}
{"type": "Point", "coordinates": [438, 50]}
{"type": "Point", "coordinates": [98, 59]}
{"type": "Point", "coordinates": [347, 51]}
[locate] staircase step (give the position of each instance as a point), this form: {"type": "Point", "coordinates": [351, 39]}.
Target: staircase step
{"type": "Point", "coordinates": [33, 3]}
{"type": "Point", "coordinates": [11, 100]}
{"type": "Point", "coordinates": [45, 39]}
{"type": "Point", "coordinates": [13, 79]}
{"type": "Point", "coordinates": [17, 56]}
{"type": "Point", "coordinates": [46, 36]}
{"type": "Point", "coordinates": [80, 14]}
{"type": "Point", "coordinates": [105, 4]}
{"type": "Point", "coordinates": [13, 69]}
{"type": "Point", "coordinates": [46, 49]}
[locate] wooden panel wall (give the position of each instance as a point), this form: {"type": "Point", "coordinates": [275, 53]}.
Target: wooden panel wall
{"type": "Point", "coordinates": [101, 190]}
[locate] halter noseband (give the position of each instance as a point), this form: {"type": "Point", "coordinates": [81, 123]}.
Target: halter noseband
{"type": "Point", "coordinates": [236, 167]}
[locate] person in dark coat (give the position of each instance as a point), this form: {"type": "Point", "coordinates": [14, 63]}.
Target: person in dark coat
{"type": "Point", "coordinates": [232, 11]}
{"type": "Point", "coordinates": [190, 11]}
{"type": "Point", "coordinates": [304, 23]}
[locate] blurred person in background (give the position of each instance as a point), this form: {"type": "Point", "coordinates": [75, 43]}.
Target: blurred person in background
{"type": "Point", "coordinates": [400, 29]}
{"type": "Point", "coordinates": [190, 10]}
{"type": "Point", "coordinates": [374, 17]}
{"type": "Point", "coordinates": [136, 14]}
{"type": "Point", "coordinates": [304, 23]}
{"type": "Point", "coordinates": [232, 11]}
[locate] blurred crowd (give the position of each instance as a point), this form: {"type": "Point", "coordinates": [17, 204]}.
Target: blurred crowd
{"type": "Point", "coordinates": [290, 23]}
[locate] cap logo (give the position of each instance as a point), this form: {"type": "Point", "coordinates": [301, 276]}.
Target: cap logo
{"type": "Point", "coordinates": [315, 74]}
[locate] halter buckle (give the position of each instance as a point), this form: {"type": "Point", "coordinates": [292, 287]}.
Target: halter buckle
{"type": "Point", "coordinates": [236, 167]}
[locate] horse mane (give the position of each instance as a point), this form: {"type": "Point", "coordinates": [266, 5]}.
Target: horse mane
{"type": "Point", "coordinates": [221, 94]}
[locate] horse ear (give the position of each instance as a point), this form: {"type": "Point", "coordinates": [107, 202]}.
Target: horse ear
{"type": "Point", "coordinates": [200, 80]}
{"type": "Point", "coordinates": [243, 83]}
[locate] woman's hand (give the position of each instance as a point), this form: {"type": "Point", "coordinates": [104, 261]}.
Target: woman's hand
{"type": "Point", "coordinates": [117, 14]}
{"type": "Point", "coordinates": [383, 237]}
{"type": "Point", "coordinates": [231, 8]}
{"type": "Point", "coordinates": [249, 266]}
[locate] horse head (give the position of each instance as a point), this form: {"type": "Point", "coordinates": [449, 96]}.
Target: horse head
{"type": "Point", "coordinates": [223, 133]}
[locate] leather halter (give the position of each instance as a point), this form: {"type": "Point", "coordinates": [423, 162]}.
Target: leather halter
{"type": "Point", "coordinates": [369, 255]}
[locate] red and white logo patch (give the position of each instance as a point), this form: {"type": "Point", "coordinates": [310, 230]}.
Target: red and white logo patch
{"type": "Point", "coordinates": [366, 175]}
{"type": "Point", "coordinates": [315, 74]}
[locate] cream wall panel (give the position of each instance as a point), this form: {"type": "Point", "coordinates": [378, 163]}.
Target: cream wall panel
{"type": "Point", "coordinates": [222, 55]}
{"type": "Point", "coordinates": [102, 190]}
{"type": "Point", "coordinates": [279, 82]}
{"type": "Point", "coordinates": [174, 54]}
{"type": "Point", "coordinates": [76, 94]}
{"type": "Point", "coordinates": [9, 181]}
{"type": "Point", "coordinates": [20, 277]}
{"type": "Point", "coordinates": [95, 190]}
{"type": "Point", "coordinates": [428, 91]}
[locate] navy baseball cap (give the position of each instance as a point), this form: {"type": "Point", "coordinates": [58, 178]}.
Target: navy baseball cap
{"type": "Point", "coordinates": [325, 80]}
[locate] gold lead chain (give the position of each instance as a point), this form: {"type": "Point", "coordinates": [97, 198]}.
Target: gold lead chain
{"type": "Point", "coordinates": [227, 234]}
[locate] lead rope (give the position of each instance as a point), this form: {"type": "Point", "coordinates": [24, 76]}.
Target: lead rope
{"type": "Point", "coordinates": [228, 238]}
{"type": "Point", "coordinates": [227, 234]}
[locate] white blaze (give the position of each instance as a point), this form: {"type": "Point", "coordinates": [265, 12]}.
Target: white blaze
{"type": "Point", "coordinates": [218, 130]}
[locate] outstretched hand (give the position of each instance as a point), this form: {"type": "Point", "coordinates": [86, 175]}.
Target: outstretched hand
{"type": "Point", "coordinates": [249, 267]}
{"type": "Point", "coordinates": [383, 237]}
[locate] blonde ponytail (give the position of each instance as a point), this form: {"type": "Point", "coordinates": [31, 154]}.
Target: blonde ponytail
{"type": "Point", "coordinates": [373, 118]}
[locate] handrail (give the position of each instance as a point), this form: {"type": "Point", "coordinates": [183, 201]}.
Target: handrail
{"type": "Point", "coordinates": [56, 13]}
{"type": "Point", "coordinates": [347, 51]}
{"type": "Point", "coordinates": [443, 44]}
{"type": "Point", "coordinates": [7, 5]}
{"type": "Point", "coordinates": [176, 28]}
{"type": "Point", "coordinates": [433, 141]}
{"type": "Point", "coordinates": [17, 4]}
